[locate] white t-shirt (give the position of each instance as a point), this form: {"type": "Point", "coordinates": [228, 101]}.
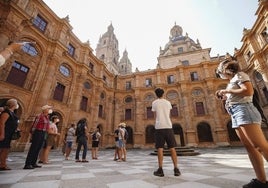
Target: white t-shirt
{"type": "Point", "coordinates": [2, 60]}
{"type": "Point", "coordinates": [162, 109]}
{"type": "Point", "coordinates": [235, 83]}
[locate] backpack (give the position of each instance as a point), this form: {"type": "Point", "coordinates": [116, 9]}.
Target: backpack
{"type": "Point", "coordinates": [79, 130]}
{"type": "Point", "coordinates": [94, 136]}
{"type": "Point", "coordinates": [126, 134]}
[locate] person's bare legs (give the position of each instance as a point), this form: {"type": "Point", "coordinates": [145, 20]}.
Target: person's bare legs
{"type": "Point", "coordinates": [160, 157]}
{"type": "Point", "coordinates": [255, 156]}
{"type": "Point", "coordinates": [174, 157]}
{"type": "Point", "coordinates": [3, 157]}
{"type": "Point", "coordinates": [67, 152]}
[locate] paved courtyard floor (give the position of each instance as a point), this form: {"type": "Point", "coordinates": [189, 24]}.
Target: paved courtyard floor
{"type": "Point", "coordinates": [213, 168]}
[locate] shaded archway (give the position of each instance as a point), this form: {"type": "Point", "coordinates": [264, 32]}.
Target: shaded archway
{"type": "Point", "coordinates": [178, 134]}
{"type": "Point", "coordinates": [130, 135]}
{"type": "Point", "coordinates": [149, 134]}
{"type": "Point", "coordinates": [204, 132]}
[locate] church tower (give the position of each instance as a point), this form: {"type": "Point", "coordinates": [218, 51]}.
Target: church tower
{"type": "Point", "coordinates": [125, 66]}
{"type": "Point", "coordinates": [107, 50]}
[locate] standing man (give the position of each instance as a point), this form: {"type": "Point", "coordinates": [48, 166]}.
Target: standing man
{"type": "Point", "coordinates": [164, 132]}
{"type": "Point", "coordinates": [82, 137]}
{"type": "Point", "coordinates": [39, 132]}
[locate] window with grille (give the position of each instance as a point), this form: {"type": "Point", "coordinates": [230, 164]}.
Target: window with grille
{"type": "Point", "coordinates": [29, 49]}
{"type": "Point", "coordinates": [128, 85]}
{"type": "Point", "coordinates": [59, 92]}
{"type": "Point", "coordinates": [40, 23]}
{"type": "Point", "coordinates": [100, 113]}
{"type": "Point", "coordinates": [148, 82]}
{"type": "Point", "coordinates": [17, 74]}
{"type": "Point", "coordinates": [83, 105]}
{"type": "Point", "coordinates": [200, 108]}
{"type": "Point", "coordinates": [194, 76]}
{"type": "Point", "coordinates": [71, 49]}
{"type": "Point", "coordinates": [170, 79]}
{"type": "Point", "coordinates": [174, 111]}
{"type": "Point", "coordinates": [128, 114]}
{"type": "Point", "coordinates": [149, 112]}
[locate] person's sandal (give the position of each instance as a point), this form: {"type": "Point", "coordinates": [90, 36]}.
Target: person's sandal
{"type": "Point", "coordinates": [84, 161]}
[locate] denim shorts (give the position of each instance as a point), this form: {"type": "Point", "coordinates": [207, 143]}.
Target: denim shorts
{"type": "Point", "coordinates": [242, 114]}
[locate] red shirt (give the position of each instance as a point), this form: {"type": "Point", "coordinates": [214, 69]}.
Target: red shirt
{"type": "Point", "coordinates": [41, 123]}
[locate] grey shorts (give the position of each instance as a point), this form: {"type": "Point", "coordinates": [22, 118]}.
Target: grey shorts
{"type": "Point", "coordinates": [243, 114]}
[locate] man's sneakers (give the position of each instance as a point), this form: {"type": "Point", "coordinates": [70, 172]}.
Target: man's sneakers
{"type": "Point", "coordinates": [177, 172]}
{"type": "Point", "coordinates": [159, 172]}
{"type": "Point", "coordinates": [254, 183]}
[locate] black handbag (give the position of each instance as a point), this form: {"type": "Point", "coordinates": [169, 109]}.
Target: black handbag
{"type": "Point", "coordinates": [16, 135]}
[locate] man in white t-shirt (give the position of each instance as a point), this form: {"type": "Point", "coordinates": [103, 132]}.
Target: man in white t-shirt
{"type": "Point", "coordinates": [164, 132]}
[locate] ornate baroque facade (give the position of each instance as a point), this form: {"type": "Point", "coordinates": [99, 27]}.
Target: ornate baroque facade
{"type": "Point", "coordinates": [62, 71]}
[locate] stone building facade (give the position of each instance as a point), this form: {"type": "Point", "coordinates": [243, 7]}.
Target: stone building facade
{"type": "Point", "coordinates": [62, 71]}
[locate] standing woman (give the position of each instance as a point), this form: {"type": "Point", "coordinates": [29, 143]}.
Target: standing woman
{"type": "Point", "coordinates": [8, 125]}
{"type": "Point", "coordinates": [246, 119]}
{"type": "Point", "coordinates": [52, 133]}
{"type": "Point", "coordinates": [95, 143]}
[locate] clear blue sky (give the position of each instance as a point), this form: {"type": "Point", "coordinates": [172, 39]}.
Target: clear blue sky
{"type": "Point", "coordinates": [142, 26]}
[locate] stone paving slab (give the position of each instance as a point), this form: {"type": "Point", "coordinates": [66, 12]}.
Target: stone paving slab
{"type": "Point", "coordinates": [213, 168]}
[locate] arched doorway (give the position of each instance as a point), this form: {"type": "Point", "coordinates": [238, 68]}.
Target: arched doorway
{"type": "Point", "coordinates": [178, 134]}
{"type": "Point", "coordinates": [149, 134]}
{"type": "Point", "coordinates": [204, 132]}
{"type": "Point", "coordinates": [130, 135]}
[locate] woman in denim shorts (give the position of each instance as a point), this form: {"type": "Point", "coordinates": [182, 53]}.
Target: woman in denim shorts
{"type": "Point", "coordinates": [246, 119]}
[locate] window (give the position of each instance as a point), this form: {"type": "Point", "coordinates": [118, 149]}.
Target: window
{"type": "Point", "coordinates": [149, 112]}
{"type": "Point", "coordinates": [104, 78]}
{"type": "Point", "coordinates": [40, 23]}
{"type": "Point", "coordinates": [17, 74]}
{"type": "Point", "coordinates": [87, 85]}
{"type": "Point", "coordinates": [170, 79]}
{"type": "Point", "coordinates": [185, 63]}
{"type": "Point", "coordinates": [128, 85]}
{"type": "Point", "coordinates": [59, 92]}
{"type": "Point", "coordinates": [180, 49]}
{"type": "Point", "coordinates": [29, 49]}
{"type": "Point", "coordinates": [83, 105]}
{"type": "Point", "coordinates": [100, 114]}
{"type": "Point", "coordinates": [128, 114]}
{"type": "Point", "coordinates": [265, 34]}
{"type": "Point", "coordinates": [148, 82]}
{"type": "Point", "coordinates": [102, 57]}
{"type": "Point", "coordinates": [174, 111]}
{"type": "Point", "coordinates": [91, 67]}
{"type": "Point", "coordinates": [194, 76]}
{"type": "Point", "coordinates": [128, 99]}
{"type": "Point", "coordinates": [64, 70]}
{"type": "Point", "coordinates": [249, 54]}
{"type": "Point", "coordinates": [71, 50]}
{"type": "Point", "coordinates": [199, 106]}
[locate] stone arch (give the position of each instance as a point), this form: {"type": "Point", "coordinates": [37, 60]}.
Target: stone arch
{"type": "Point", "coordinates": [204, 132]}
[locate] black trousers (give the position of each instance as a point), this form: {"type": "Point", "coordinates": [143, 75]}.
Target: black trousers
{"type": "Point", "coordinates": [38, 139]}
